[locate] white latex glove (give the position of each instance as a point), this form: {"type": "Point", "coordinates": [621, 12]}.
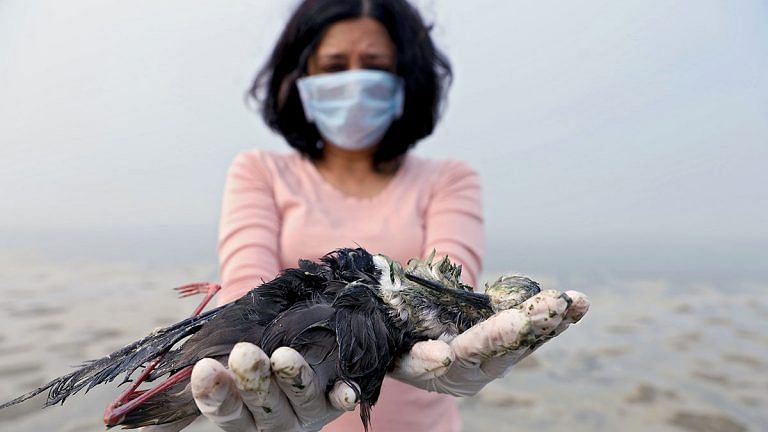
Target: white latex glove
{"type": "Point", "coordinates": [489, 349]}
{"type": "Point", "coordinates": [266, 394]}
{"type": "Point", "coordinates": [259, 393]}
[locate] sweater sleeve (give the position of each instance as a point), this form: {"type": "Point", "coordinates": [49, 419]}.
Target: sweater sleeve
{"type": "Point", "coordinates": [248, 229]}
{"type": "Point", "coordinates": [454, 219]}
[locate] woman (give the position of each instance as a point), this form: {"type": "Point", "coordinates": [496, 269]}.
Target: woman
{"type": "Point", "coordinates": [351, 184]}
{"type": "Point", "coordinates": [352, 85]}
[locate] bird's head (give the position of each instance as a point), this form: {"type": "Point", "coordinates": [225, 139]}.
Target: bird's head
{"type": "Point", "coordinates": [511, 290]}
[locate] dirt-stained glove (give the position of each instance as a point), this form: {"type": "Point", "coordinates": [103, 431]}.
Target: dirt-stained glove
{"type": "Point", "coordinates": [277, 394]}
{"type": "Point", "coordinates": [489, 349]}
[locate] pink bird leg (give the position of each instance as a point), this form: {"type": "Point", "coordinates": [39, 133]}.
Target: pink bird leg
{"type": "Point", "coordinates": [132, 398]}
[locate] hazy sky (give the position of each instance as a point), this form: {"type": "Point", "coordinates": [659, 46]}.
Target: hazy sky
{"type": "Point", "coordinates": [625, 134]}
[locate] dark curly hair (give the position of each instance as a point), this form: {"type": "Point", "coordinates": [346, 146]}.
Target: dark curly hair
{"type": "Point", "coordinates": [425, 70]}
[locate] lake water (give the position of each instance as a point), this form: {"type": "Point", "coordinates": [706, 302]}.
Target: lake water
{"type": "Point", "coordinates": [652, 354]}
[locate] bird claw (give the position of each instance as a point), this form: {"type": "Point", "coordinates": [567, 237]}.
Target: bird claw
{"type": "Point", "coordinates": [197, 288]}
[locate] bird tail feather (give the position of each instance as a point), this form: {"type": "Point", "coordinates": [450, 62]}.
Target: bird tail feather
{"type": "Point", "coordinates": [126, 359]}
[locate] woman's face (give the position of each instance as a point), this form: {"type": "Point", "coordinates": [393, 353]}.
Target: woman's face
{"type": "Point", "coordinates": [359, 43]}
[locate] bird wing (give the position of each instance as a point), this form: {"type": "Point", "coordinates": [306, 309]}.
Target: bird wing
{"type": "Point", "coordinates": [367, 342]}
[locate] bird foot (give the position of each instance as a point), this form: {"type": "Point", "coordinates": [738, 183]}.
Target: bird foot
{"type": "Point", "coordinates": [197, 288]}
{"type": "Point", "coordinates": [207, 288]}
{"type": "Point", "coordinates": [132, 398]}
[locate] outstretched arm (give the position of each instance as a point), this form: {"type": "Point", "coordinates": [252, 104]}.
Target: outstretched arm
{"type": "Point", "coordinates": [249, 228]}
{"type": "Point", "coordinates": [454, 219]}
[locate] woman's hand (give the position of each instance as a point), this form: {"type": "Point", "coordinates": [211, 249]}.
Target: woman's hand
{"type": "Point", "coordinates": [488, 350]}
{"type": "Point", "coordinates": [277, 394]}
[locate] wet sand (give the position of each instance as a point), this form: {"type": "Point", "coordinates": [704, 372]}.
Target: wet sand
{"type": "Point", "coordinates": [650, 356]}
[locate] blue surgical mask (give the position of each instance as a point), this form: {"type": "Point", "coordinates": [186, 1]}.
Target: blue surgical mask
{"type": "Point", "coordinates": [352, 109]}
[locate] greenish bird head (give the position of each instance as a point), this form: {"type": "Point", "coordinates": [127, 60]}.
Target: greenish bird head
{"type": "Point", "coordinates": [510, 290]}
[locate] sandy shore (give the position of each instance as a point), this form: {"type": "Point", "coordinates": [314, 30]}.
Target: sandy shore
{"type": "Point", "coordinates": [650, 356]}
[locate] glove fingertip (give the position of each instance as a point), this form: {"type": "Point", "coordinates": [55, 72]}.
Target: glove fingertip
{"type": "Point", "coordinates": [208, 377]}
{"type": "Point", "coordinates": [286, 363]}
{"type": "Point", "coordinates": [343, 397]}
{"type": "Point", "coordinates": [579, 306]}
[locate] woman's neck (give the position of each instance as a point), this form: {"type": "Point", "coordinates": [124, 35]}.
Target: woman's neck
{"type": "Point", "coordinates": [352, 164]}
{"type": "Point", "coordinates": [352, 172]}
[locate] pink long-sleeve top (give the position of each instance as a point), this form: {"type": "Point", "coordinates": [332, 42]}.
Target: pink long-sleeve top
{"type": "Point", "coordinates": [277, 208]}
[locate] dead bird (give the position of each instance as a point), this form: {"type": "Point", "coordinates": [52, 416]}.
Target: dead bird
{"type": "Point", "coordinates": [351, 315]}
